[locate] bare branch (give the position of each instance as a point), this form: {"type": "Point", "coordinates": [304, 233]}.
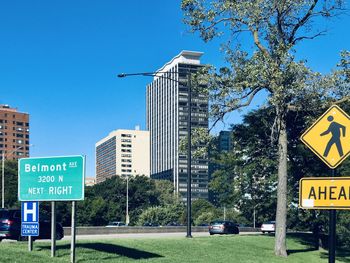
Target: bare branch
{"type": "Point", "coordinates": [251, 96]}
{"type": "Point", "coordinates": [322, 33]}
{"type": "Point", "coordinates": [291, 107]}
{"type": "Point", "coordinates": [258, 43]}
{"type": "Point", "coordinates": [302, 21]}
{"type": "Point", "coordinates": [220, 21]}
{"type": "Point", "coordinates": [279, 25]}
{"type": "Point", "coordinates": [346, 98]}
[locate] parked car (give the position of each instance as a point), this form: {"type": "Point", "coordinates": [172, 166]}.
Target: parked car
{"type": "Point", "coordinates": [268, 227]}
{"type": "Point", "coordinates": [10, 226]}
{"type": "Point", "coordinates": [174, 224]}
{"type": "Point", "coordinates": [223, 227]}
{"type": "Point", "coordinates": [115, 224]}
{"type": "Point", "coordinates": [150, 224]}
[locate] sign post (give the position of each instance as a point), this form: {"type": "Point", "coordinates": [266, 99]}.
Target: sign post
{"type": "Point", "coordinates": [53, 229]}
{"type": "Point", "coordinates": [72, 248]}
{"type": "Point", "coordinates": [52, 179]}
{"type": "Point", "coordinates": [30, 221]}
{"type": "Point", "coordinates": [328, 139]}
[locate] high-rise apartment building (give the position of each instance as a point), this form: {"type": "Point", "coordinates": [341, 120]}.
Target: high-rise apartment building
{"type": "Point", "coordinates": [167, 113]}
{"type": "Point", "coordinates": [123, 153]}
{"type": "Point", "coordinates": [14, 133]}
{"type": "Point", "coordinates": [225, 141]}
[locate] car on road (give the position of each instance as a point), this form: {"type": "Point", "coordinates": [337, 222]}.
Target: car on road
{"type": "Point", "coordinates": [151, 224]}
{"type": "Point", "coordinates": [116, 224]}
{"type": "Point", "coordinates": [10, 226]}
{"type": "Point", "coordinates": [268, 227]}
{"type": "Point", "coordinates": [174, 223]}
{"type": "Point", "coordinates": [223, 227]}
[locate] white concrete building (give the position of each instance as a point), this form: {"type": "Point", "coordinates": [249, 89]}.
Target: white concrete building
{"type": "Point", "coordinates": [123, 153]}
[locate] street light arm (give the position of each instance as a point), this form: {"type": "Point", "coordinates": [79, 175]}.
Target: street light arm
{"type": "Point", "coordinates": [149, 74]}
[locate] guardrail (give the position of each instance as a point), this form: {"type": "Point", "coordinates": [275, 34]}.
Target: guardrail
{"type": "Point", "coordinates": [101, 230]}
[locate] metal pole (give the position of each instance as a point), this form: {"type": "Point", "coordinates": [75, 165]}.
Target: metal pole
{"type": "Point", "coordinates": [3, 176]}
{"type": "Point", "coordinates": [224, 212]}
{"type": "Point", "coordinates": [189, 157]}
{"type": "Point", "coordinates": [30, 243]}
{"type": "Point", "coordinates": [254, 216]}
{"type": "Point", "coordinates": [332, 232]}
{"type": "Point", "coordinates": [127, 201]}
{"type": "Point", "coordinates": [53, 229]}
{"type": "Point", "coordinates": [3, 181]}
{"type": "Point", "coordinates": [72, 248]}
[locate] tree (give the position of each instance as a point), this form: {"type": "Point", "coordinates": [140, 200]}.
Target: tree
{"type": "Point", "coordinates": [276, 27]}
{"type": "Point", "coordinates": [165, 192]}
{"type": "Point", "coordinates": [200, 206]}
{"type": "Point", "coordinates": [162, 215]}
{"type": "Point", "coordinates": [11, 184]}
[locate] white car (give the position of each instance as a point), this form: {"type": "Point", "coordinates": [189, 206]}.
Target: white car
{"type": "Point", "coordinates": [116, 224]}
{"type": "Point", "coordinates": [268, 227]}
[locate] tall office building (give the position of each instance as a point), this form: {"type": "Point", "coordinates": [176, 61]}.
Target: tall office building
{"type": "Point", "coordinates": [124, 153]}
{"type": "Point", "coordinates": [167, 113]}
{"type": "Point", "coordinates": [225, 141]}
{"type": "Point", "coordinates": [14, 133]}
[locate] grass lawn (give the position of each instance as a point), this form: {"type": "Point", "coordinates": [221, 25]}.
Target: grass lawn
{"type": "Point", "coordinates": [232, 248]}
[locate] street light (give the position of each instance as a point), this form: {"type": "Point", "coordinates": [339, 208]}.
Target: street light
{"type": "Point", "coordinates": [3, 175]}
{"type": "Point", "coordinates": [127, 201]}
{"type": "Point", "coordinates": [189, 154]}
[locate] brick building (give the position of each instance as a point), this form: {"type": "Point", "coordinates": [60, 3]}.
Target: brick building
{"type": "Point", "coordinates": [14, 133]}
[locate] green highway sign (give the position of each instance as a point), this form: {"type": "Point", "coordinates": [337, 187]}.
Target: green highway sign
{"type": "Point", "coordinates": [51, 178]}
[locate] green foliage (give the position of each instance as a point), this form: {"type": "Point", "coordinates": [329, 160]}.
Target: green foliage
{"type": "Point", "coordinates": [276, 27]}
{"type": "Point", "coordinates": [200, 206]}
{"type": "Point", "coordinates": [247, 175]}
{"type": "Point", "coordinates": [204, 218]}
{"type": "Point", "coordinates": [106, 201]}
{"type": "Point", "coordinates": [161, 215]}
{"type": "Point", "coordinates": [11, 184]}
{"type": "Point", "coordinates": [343, 229]}
{"type": "Point", "coordinates": [165, 192]}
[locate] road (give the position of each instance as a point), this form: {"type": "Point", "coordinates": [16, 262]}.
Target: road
{"type": "Point", "coordinates": [135, 236]}
{"type": "Point", "coordinates": [147, 235]}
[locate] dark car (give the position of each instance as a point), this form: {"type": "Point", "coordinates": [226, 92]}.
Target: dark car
{"type": "Point", "coordinates": [174, 223]}
{"type": "Point", "coordinates": [223, 227]}
{"type": "Point", "coordinates": [150, 224]}
{"type": "Point", "coordinates": [10, 226]}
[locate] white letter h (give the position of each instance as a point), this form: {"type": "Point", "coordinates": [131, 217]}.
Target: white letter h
{"type": "Point", "coordinates": [30, 211]}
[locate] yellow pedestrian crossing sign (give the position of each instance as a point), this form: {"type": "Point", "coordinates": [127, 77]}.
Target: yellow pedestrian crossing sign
{"type": "Point", "coordinates": [329, 137]}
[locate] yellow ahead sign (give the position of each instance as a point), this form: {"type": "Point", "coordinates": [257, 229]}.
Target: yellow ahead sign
{"type": "Point", "coordinates": [329, 137]}
{"type": "Point", "coordinates": [324, 193]}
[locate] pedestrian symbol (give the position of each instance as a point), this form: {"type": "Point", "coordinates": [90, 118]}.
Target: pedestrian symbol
{"type": "Point", "coordinates": [329, 137]}
{"type": "Point", "coordinates": [334, 128]}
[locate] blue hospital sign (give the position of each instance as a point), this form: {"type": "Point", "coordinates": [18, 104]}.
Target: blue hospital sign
{"type": "Point", "coordinates": [30, 219]}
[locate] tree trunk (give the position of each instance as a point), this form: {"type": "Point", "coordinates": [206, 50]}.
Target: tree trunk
{"type": "Point", "coordinates": [281, 213]}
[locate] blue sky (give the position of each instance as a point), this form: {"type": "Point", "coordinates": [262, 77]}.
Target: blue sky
{"type": "Point", "coordinates": [59, 61]}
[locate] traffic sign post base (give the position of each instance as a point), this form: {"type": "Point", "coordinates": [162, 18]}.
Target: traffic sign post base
{"type": "Point", "coordinates": [53, 229]}
{"type": "Point", "coordinates": [332, 236]}
{"type": "Point", "coordinates": [30, 244]}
